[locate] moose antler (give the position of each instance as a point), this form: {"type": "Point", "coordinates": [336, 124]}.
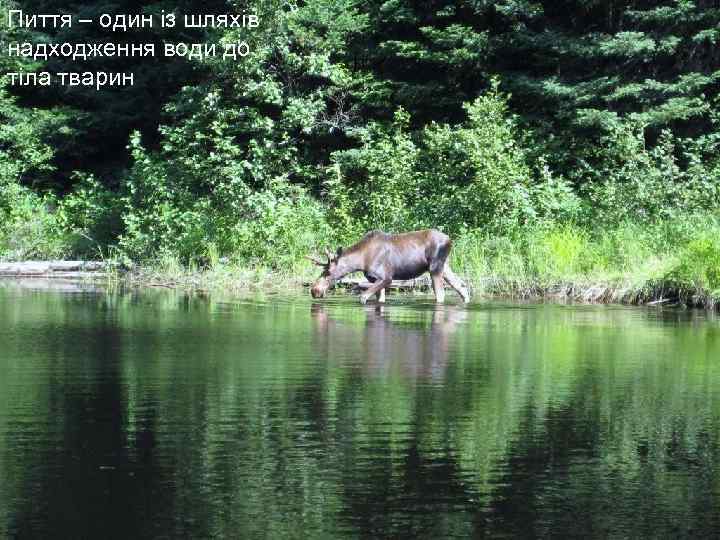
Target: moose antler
{"type": "Point", "coordinates": [315, 260]}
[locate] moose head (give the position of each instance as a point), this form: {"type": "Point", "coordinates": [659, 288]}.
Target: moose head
{"type": "Point", "coordinates": [331, 272]}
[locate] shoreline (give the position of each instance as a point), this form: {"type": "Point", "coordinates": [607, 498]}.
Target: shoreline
{"type": "Point", "coordinates": [623, 290]}
{"type": "Point", "coordinates": [235, 280]}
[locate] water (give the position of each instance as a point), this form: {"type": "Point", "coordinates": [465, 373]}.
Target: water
{"type": "Point", "coordinates": [165, 415]}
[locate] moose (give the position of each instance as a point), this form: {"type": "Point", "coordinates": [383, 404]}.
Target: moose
{"type": "Point", "coordinates": [383, 257]}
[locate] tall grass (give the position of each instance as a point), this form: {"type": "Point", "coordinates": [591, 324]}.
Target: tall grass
{"type": "Point", "coordinates": [676, 260]}
{"type": "Point", "coordinates": [220, 275]}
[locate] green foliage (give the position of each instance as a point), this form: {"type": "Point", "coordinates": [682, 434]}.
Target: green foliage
{"type": "Point", "coordinates": [164, 216]}
{"type": "Point", "coordinates": [158, 217]}
{"type": "Point", "coordinates": [698, 265]}
{"type": "Point", "coordinates": [477, 176]}
{"type": "Point", "coordinates": [536, 256]}
{"type": "Point", "coordinates": [612, 263]}
{"type": "Point", "coordinates": [93, 215]}
{"type": "Point", "coordinates": [646, 61]}
{"type": "Point", "coordinates": [561, 253]}
{"type": "Point", "coordinates": [628, 244]}
{"type": "Point", "coordinates": [554, 199]}
{"type": "Point", "coordinates": [227, 176]}
{"type": "Point", "coordinates": [350, 116]}
{"type": "Point", "coordinates": [25, 156]}
{"type": "Point", "coordinates": [457, 178]}
{"type": "Point", "coordinates": [626, 180]}
{"type": "Point", "coordinates": [376, 185]}
{"type": "Point", "coordinates": [30, 136]}
{"type": "Point", "coordinates": [29, 226]}
{"type": "Point", "coordinates": [281, 226]}
{"type": "Point", "coordinates": [321, 68]}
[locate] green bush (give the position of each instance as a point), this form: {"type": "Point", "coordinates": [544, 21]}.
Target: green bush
{"type": "Point", "coordinates": [698, 265]}
{"type": "Point", "coordinates": [476, 175]}
{"type": "Point", "coordinates": [92, 214]}
{"type": "Point", "coordinates": [554, 199]}
{"type": "Point", "coordinates": [159, 217]}
{"type": "Point", "coordinates": [281, 225]}
{"type": "Point", "coordinates": [375, 186]}
{"type": "Point", "coordinates": [457, 178]}
{"type": "Point", "coordinates": [626, 180]}
{"type": "Point", "coordinates": [29, 226]}
{"type": "Point", "coordinates": [163, 216]}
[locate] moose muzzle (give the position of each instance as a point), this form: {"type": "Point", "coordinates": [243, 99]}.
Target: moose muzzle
{"type": "Point", "coordinates": [320, 288]}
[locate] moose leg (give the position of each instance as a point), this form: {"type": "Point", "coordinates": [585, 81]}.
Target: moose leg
{"type": "Point", "coordinates": [438, 287]}
{"type": "Point", "coordinates": [456, 283]}
{"type": "Point", "coordinates": [380, 296]}
{"type": "Point", "coordinates": [381, 293]}
{"type": "Point", "coordinates": [376, 287]}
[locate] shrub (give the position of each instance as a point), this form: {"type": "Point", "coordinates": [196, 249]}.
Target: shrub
{"type": "Point", "coordinates": [92, 214]}
{"type": "Point", "coordinates": [457, 178]}
{"type": "Point", "coordinates": [489, 180]}
{"type": "Point", "coordinates": [281, 225]}
{"type": "Point", "coordinates": [628, 181]}
{"type": "Point", "coordinates": [164, 216]}
{"type": "Point", "coordinates": [375, 186]}
{"type": "Point", "coordinates": [159, 216]}
{"type": "Point", "coordinates": [29, 226]}
{"type": "Point", "coordinates": [554, 199]}
{"type": "Point", "coordinates": [699, 265]}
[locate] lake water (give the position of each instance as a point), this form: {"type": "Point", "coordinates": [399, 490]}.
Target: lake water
{"type": "Point", "coordinates": [158, 414]}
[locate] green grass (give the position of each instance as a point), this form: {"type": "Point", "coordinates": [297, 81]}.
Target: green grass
{"type": "Point", "coordinates": [671, 262]}
{"type": "Point", "coordinates": [676, 262]}
{"type": "Point", "coordinates": [218, 276]}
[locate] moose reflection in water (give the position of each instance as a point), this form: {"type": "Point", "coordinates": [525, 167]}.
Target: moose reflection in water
{"type": "Point", "coordinates": [382, 257]}
{"type": "Point", "coordinates": [390, 345]}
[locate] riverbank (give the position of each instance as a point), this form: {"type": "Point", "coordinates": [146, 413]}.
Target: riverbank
{"type": "Point", "coordinates": [626, 289]}
{"type": "Point", "coordinates": [234, 279]}
{"type": "Point", "coordinates": [230, 279]}
{"type": "Point", "coordinates": [673, 263]}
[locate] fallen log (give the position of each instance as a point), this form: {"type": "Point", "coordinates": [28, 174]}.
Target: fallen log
{"type": "Point", "coordinates": [54, 269]}
{"type": "Point", "coordinates": [38, 283]}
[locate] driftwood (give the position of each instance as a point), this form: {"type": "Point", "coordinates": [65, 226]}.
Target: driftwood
{"type": "Point", "coordinates": [41, 283]}
{"type": "Point", "coordinates": [54, 269]}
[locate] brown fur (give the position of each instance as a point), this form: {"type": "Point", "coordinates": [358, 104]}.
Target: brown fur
{"type": "Point", "coordinates": [383, 257]}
